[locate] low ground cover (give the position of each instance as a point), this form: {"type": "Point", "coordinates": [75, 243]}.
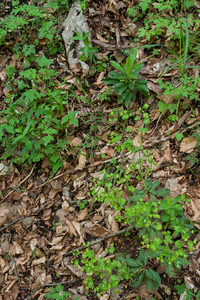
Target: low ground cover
{"type": "Point", "coordinates": [91, 160]}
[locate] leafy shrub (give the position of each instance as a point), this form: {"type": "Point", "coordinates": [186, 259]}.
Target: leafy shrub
{"type": "Point", "coordinates": [125, 82]}
{"type": "Point", "coordinates": [32, 129]}
{"type": "Point", "coordinates": [57, 293]}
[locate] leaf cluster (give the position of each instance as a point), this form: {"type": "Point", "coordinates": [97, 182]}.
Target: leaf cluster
{"type": "Point", "coordinates": [125, 81]}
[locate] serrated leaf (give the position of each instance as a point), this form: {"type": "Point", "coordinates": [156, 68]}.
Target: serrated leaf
{"type": "Point", "coordinates": [9, 129]}
{"type": "Point", "coordinates": [163, 192]}
{"type": "Point", "coordinates": [155, 184]}
{"type": "Point", "coordinates": [180, 288]}
{"type": "Point", "coordinates": [132, 262]}
{"type": "Point", "coordinates": [139, 280]}
{"type": "Point", "coordinates": [152, 233]}
{"type": "Point", "coordinates": [120, 257]}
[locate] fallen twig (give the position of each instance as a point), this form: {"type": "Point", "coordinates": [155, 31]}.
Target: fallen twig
{"type": "Point", "coordinates": [50, 284]}
{"type": "Point", "coordinates": [19, 219]}
{"type": "Point", "coordinates": [19, 184]}
{"type": "Point", "coordinates": [98, 240]}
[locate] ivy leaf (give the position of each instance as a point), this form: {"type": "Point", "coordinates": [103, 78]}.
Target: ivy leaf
{"type": "Point", "coordinates": [43, 61]}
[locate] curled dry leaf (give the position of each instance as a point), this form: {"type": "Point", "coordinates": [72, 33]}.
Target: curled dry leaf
{"type": "Point", "coordinates": [97, 230]}
{"type": "Point", "coordinates": [18, 248]}
{"type": "Point", "coordinates": [3, 215]}
{"type": "Point", "coordinates": [39, 261]}
{"type": "Point", "coordinates": [99, 79]}
{"type": "Point", "coordinates": [76, 141]}
{"type": "Point", "coordinates": [174, 187]}
{"type": "Point", "coordinates": [188, 144]}
{"type": "Point", "coordinates": [71, 227]}
{"type": "Point", "coordinates": [83, 214]}
{"type": "Point", "coordinates": [81, 161]}
{"type": "Point", "coordinates": [77, 271]}
{"type": "Point", "coordinates": [56, 240]}
{"type": "Point", "coordinates": [105, 297]}
{"type": "Point", "coordinates": [113, 224]}
{"type": "Point", "coordinates": [65, 206]}
{"type": "Point", "coordinates": [100, 38]}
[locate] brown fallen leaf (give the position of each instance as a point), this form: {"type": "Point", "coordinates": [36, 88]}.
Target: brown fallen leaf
{"type": "Point", "coordinates": [99, 79]}
{"type": "Point", "coordinates": [77, 271]}
{"type": "Point", "coordinates": [81, 161]}
{"type": "Point", "coordinates": [97, 230]}
{"type": "Point", "coordinates": [188, 144]}
{"type": "Point", "coordinates": [100, 38]}
{"type": "Point", "coordinates": [71, 227]}
{"type": "Point", "coordinates": [83, 214]}
{"type": "Point", "coordinates": [39, 261]}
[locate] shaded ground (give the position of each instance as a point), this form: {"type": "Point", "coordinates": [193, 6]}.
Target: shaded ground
{"type": "Point", "coordinates": [44, 216]}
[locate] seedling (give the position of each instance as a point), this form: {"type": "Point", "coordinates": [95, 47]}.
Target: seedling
{"type": "Point", "coordinates": [126, 82]}
{"type": "Point", "coordinates": [87, 50]}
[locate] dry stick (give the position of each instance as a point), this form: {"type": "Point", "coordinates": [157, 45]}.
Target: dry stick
{"type": "Point", "coordinates": [122, 156]}
{"type": "Point", "coordinates": [19, 184]}
{"type": "Point", "coordinates": [78, 249]}
{"type": "Point", "coordinates": [50, 284]}
{"type": "Point", "coordinates": [146, 144]}
{"type": "Point", "coordinates": [19, 219]}
{"type": "Point", "coordinates": [98, 240]}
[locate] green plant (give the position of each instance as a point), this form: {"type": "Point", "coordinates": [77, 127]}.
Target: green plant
{"type": "Point", "coordinates": [84, 4]}
{"type": "Point", "coordinates": [158, 223]}
{"type": "Point", "coordinates": [82, 204]}
{"type": "Point", "coordinates": [139, 269]}
{"type": "Point", "coordinates": [54, 226]}
{"type": "Point", "coordinates": [125, 82]}
{"type": "Point", "coordinates": [101, 267]}
{"type": "Point", "coordinates": [105, 96]}
{"type": "Point", "coordinates": [33, 127]}
{"type": "Point", "coordinates": [57, 293]}
{"type": "Point", "coordinates": [189, 293]}
{"type": "Point", "coordinates": [186, 88]}
{"type": "Point", "coordinates": [87, 50]}
{"type": "Point", "coordinates": [149, 190]}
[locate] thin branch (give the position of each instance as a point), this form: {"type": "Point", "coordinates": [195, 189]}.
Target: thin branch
{"type": "Point", "coordinates": [19, 184]}
{"type": "Point", "coordinates": [50, 284]}
{"type": "Point", "coordinates": [19, 219]}
{"type": "Point", "coordinates": [99, 240]}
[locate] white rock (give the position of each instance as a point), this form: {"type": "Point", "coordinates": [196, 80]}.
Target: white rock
{"type": "Point", "coordinates": [75, 21]}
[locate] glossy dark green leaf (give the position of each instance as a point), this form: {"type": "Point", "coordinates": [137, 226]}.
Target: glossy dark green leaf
{"type": "Point", "coordinates": [131, 86]}
{"type": "Point", "coordinates": [138, 281]}
{"type": "Point", "coordinates": [114, 74]}
{"type": "Point", "coordinates": [142, 88]}
{"type": "Point", "coordinates": [118, 67]}
{"type": "Point", "coordinates": [123, 88]}
{"type": "Point", "coordinates": [138, 69]}
{"type": "Point", "coordinates": [110, 81]}
{"type": "Point", "coordinates": [149, 284]}
{"type": "Point", "coordinates": [127, 100]}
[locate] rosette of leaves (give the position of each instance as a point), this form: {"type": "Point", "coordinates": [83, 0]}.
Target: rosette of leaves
{"type": "Point", "coordinates": [125, 80]}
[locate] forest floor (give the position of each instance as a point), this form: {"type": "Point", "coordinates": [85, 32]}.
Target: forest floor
{"type": "Point", "coordinates": [65, 138]}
